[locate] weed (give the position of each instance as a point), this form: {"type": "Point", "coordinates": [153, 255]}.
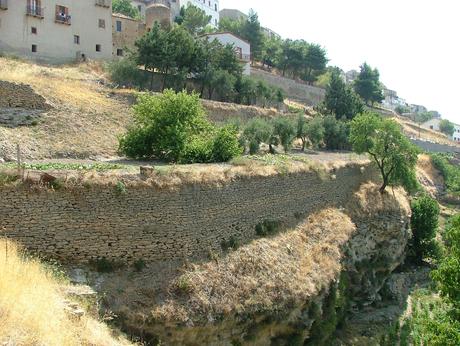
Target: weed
{"type": "Point", "coordinates": [120, 188]}
{"type": "Point", "coordinates": [267, 227]}
{"type": "Point", "coordinates": [139, 265]}
{"type": "Point", "coordinates": [232, 243]}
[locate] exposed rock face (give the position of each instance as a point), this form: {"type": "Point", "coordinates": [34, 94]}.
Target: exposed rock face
{"type": "Point", "coordinates": [292, 288]}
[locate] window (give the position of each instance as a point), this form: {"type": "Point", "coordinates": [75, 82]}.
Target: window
{"type": "Point", "coordinates": [102, 23]}
{"type": "Point", "coordinates": [119, 52]}
{"type": "Point", "coordinates": [62, 14]}
{"type": "Point", "coordinates": [98, 48]}
{"type": "Point", "coordinates": [139, 7]}
{"type": "Point", "coordinates": [215, 7]}
{"type": "Point", "coordinates": [33, 30]}
{"type": "Point", "coordinates": [118, 25]}
{"type": "Point", "coordinates": [76, 39]}
{"type": "Point", "coordinates": [34, 48]}
{"type": "Point", "coordinates": [431, 127]}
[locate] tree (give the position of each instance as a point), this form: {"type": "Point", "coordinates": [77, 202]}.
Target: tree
{"type": "Point", "coordinates": [448, 273]}
{"type": "Point", "coordinates": [257, 131]}
{"type": "Point", "coordinates": [402, 109]}
{"type": "Point", "coordinates": [446, 127]}
{"type": "Point", "coordinates": [340, 100]}
{"type": "Point", "coordinates": [367, 85]}
{"type": "Point", "coordinates": [164, 125]}
{"type": "Point", "coordinates": [310, 130]}
{"type": "Point", "coordinates": [224, 83]}
{"type": "Point", "coordinates": [252, 31]}
{"type": "Point", "coordinates": [225, 144]}
{"type": "Point", "coordinates": [125, 7]}
{"type": "Point", "coordinates": [336, 133]}
{"type": "Point", "coordinates": [314, 62]}
{"type": "Point", "coordinates": [424, 226]}
{"type": "Point", "coordinates": [194, 19]}
{"type": "Point", "coordinates": [284, 132]}
{"type": "Point", "coordinates": [168, 52]}
{"type": "Point", "coordinates": [394, 155]}
{"type": "Point", "coordinates": [271, 52]}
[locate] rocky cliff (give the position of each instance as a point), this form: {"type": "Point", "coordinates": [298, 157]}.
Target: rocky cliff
{"type": "Point", "coordinates": [286, 289]}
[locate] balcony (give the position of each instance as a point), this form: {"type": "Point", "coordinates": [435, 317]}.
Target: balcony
{"type": "Point", "coordinates": [34, 11]}
{"type": "Point", "coordinates": [62, 19]}
{"type": "Point", "coordinates": [103, 3]}
{"type": "Point", "coordinates": [3, 4]}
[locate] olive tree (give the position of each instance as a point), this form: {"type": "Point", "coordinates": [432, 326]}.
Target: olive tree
{"type": "Point", "coordinates": [394, 155]}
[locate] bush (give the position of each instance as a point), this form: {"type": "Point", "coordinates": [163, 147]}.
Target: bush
{"type": "Point", "coordinates": [267, 227]}
{"type": "Point", "coordinates": [424, 225]}
{"type": "Point", "coordinates": [336, 133]}
{"type": "Point", "coordinates": [284, 131]}
{"type": "Point", "coordinates": [125, 72]}
{"type": "Point", "coordinates": [164, 125]}
{"type": "Point", "coordinates": [257, 131]}
{"type": "Point", "coordinates": [225, 145]}
{"type": "Point", "coordinates": [448, 274]}
{"type": "Point", "coordinates": [198, 149]}
{"type": "Point", "coordinates": [450, 172]}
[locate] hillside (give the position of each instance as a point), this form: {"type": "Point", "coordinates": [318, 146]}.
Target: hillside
{"type": "Point", "coordinates": [84, 115]}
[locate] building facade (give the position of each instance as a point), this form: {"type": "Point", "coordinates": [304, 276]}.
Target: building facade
{"type": "Point", "coordinates": [57, 31]}
{"type": "Point", "coordinates": [125, 32]}
{"type": "Point", "coordinates": [242, 48]}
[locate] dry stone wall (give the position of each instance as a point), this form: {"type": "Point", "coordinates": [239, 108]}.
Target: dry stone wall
{"type": "Point", "coordinates": [14, 95]}
{"type": "Point", "coordinates": [161, 225]}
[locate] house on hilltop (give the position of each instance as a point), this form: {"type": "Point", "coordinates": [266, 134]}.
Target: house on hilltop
{"type": "Point", "coordinates": [56, 31]}
{"type": "Point", "coordinates": [434, 123]}
{"type": "Point", "coordinates": [242, 48]}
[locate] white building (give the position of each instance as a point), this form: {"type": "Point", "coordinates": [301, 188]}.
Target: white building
{"type": "Point", "coordinates": [242, 48]}
{"type": "Point", "coordinates": [56, 31]}
{"type": "Point", "coordinates": [433, 124]}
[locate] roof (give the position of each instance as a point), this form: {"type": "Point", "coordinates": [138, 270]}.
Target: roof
{"type": "Point", "coordinates": [226, 33]}
{"type": "Point", "coordinates": [122, 16]}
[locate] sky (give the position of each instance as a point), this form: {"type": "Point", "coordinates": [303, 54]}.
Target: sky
{"type": "Point", "coordinates": [415, 44]}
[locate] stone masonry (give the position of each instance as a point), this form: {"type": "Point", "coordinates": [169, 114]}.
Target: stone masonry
{"type": "Point", "coordinates": [75, 226]}
{"type": "Point", "coordinates": [14, 95]}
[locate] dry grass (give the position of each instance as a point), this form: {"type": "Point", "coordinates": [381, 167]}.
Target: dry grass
{"type": "Point", "coordinates": [32, 307]}
{"type": "Point", "coordinates": [84, 121]}
{"type": "Point", "coordinates": [265, 275]}
{"type": "Point", "coordinates": [428, 176]}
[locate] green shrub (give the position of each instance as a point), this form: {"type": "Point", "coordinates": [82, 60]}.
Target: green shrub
{"type": "Point", "coordinates": [163, 126]}
{"type": "Point", "coordinates": [257, 131]}
{"type": "Point", "coordinates": [267, 227]}
{"type": "Point", "coordinates": [120, 188]}
{"type": "Point", "coordinates": [448, 273]}
{"type": "Point", "coordinates": [232, 243]}
{"type": "Point", "coordinates": [225, 144]}
{"type": "Point", "coordinates": [424, 225]}
{"type": "Point", "coordinates": [198, 149]}
{"type": "Point", "coordinates": [336, 133]}
{"type": "Point", "coordinates": [284, 131]}
{"type": "Point", "coordinates": [103, 265]}
{"type": "Point", "coordinates": [450, 172]}
{"type": "Point", "coordinates": [125, 72]}
{"type": "Point", "coordinates": [139, 265]}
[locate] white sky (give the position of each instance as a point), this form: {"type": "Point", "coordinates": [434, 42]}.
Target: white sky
{"type": "Point", "coordinates": [415, 44]}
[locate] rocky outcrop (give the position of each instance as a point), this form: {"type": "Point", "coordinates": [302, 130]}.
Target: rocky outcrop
{"type": "Point", "coordinates": [289, 289]}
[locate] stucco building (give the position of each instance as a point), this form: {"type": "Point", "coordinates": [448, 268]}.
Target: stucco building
{"type": "Point", "coordinates": [56, 31]}
{"type": "Point", "coordinates": [242, 48]}
{"type": "Point", "coordinates": [433, 124]}
{"type": "Point", "coordinates": [125, 32]}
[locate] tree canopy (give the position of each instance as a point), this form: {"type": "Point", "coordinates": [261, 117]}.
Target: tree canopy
{"type": "Point", "coordinates": [367, 85]}
{"type": "Point", "coordinates": [125, 7]}
{"type": "Point", "coordinates": [446, 127]}
{"type": "Point", "coordinates": [193, 19]}
{"type": "Point", "coordinates": [341, 100]}
{"type": "Point", "coordinates": [394, 155]}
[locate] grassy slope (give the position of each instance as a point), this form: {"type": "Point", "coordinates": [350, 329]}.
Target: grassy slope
{"type": "Point", "coordinates": [32, 309]}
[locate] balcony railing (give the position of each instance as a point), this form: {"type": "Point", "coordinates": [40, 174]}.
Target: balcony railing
{"type": "Point", "coordinates": [62, 19]}
{"type": "Point", "coordinates": [103, 3]}
{"type": "Point", "coordinates": [35, 11]}
{"type": "Point", "coordinates": [3, 4]}
{"type": "Point", "coordinates": [244, 57]}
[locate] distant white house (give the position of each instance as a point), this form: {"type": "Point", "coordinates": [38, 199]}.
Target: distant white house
{"type": "Point", "coordinates": [433, 124]}
{"type": "Point", "coordinates": [242, 48]}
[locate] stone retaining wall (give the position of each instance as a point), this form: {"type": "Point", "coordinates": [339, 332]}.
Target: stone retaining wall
{"type": "Point", "coordinates": [161, 225]}
{"type": "Point", "coordinates": [14, 95]}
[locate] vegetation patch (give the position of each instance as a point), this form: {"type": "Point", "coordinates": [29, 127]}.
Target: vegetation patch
{"type": "Point", "coordinates": [97, 166]}
{"type": "Point", "coordinates": [449, 171]}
